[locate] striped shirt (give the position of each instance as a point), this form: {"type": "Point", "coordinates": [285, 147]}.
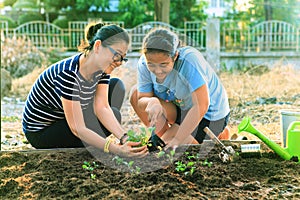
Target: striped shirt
{"type": "Point", "coordinates": [43, 106]}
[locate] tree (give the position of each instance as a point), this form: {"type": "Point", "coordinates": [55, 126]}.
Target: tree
{"type": "Point", "coordinates": [9, 2]}
{"type": "Point", "coordinates": [162, 10]}
{"type": "Point", "coordinates": [135, 12]}
{"type": "Point", "coordinates": [268, 10]}
{"type": "Point", "coordinates": [25, 4]}
{"type": "Point", "coordinates": [186, 10]}
{"type": "Point", "coordinates": [283, 10]}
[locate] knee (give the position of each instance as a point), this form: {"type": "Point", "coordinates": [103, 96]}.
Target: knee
{"type": "Point", "coordinates": [116, 83]}
{"type": "Point", "coordinates": [133, 96]}
{"type": "Point", "coordinates": [117, 114]}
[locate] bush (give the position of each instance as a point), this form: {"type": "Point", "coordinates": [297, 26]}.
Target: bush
{"type": "Point", "coordinates": [20, 57]}
{"type": "Point", "coordinates": [62, 23]}
{"type": "Point", "coordinates": [11, 22]}
{"type": "Point", "coordinates": [30, 16]}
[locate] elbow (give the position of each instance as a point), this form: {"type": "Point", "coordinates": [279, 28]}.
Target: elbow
{"type": "Point", "coordinates": [76, 130]}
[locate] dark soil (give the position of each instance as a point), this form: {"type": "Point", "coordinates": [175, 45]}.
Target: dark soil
{"type": "Point", "coordinates": [58, 174]}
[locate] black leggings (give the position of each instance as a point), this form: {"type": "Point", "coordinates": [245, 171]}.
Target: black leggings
{"type": "Point", "coordinates": [215, 126]}
{"type": "Point", "coordinates": [59, 135]}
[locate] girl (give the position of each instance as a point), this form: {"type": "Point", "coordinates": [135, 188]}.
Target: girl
{"type": "Point", "coordinates": [178, 92]}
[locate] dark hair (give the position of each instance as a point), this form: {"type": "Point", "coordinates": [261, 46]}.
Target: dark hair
{"type": "Point", "coordinates": [108, 34]}
{"type": "Point", "coordinates": [161, 40]}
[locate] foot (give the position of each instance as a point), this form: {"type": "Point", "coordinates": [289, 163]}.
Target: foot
{"type": "Point", "coordinates": [225, 135]}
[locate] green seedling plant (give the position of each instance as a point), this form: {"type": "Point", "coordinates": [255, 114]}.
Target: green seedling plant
{"type": "Point", "coordinates": [90, 167]}
{"type": "Point", "coordinates": [169, 155]}
{"type": "Point", "coordinates": [186, 168]}
{"type": "Point", "coordinates": [189, 167]}
{"type": "Point", "coordinates": [129, 165]}
{"type": "Point", "coordinates": [207, 163]}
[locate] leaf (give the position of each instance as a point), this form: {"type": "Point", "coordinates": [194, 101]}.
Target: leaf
{"type": "Point", "coordinates": [93, 176]}
{"type": "Point", "coordinates": [161, 154]}
{"type": "Point", "coordinates": [84, 167]}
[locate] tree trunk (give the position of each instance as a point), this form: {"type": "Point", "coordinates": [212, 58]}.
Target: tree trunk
{"type": "Point", "coordinates": [162, 10]}
{"type": "Point", "coordinates": [268, 10]}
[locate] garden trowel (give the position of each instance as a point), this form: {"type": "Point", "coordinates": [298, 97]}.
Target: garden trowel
{"type": "Point", "coordinates": [227, 152]}
{"type": "Point", "coordinates": [155, 142]}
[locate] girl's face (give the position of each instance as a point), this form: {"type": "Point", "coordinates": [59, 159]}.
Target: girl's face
{"type": "Point", "coordinates": [159, 64]}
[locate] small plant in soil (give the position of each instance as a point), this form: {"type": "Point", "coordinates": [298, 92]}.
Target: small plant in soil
{"type": "Point", "coordinates": [170, 155]}
{"type": "Point", "coordinates": [189, 165]}
{"type": "Point", "coordinates": [90, 167]}
{"type": "Point", "coordinates": [207, 163]}
{"type": "Point", "coordinates": [120, 161]}
{"type": "Point", "coordinates": [187, 168]}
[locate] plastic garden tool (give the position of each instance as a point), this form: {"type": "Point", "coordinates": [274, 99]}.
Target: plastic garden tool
{"type": "Point", "coordinates": [227, 152]}
{"type": "Point", "coordinates": [292, 152]}
{"type": "Point", "coordinates": [155, 142]}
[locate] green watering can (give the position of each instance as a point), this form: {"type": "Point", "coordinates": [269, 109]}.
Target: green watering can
{"type": "Point", "coordinates": [291, 152]}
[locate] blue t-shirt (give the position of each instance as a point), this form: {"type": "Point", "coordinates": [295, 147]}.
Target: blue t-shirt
{"type": "Point", "coordinates": [190, 72]}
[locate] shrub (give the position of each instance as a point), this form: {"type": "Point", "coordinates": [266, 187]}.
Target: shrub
{"type": "Point", "coordinates": [20, 57]}
{"type": "Point", "coordinates": [30, 16]}
{"type": "Point", "coordinates": [62, 23]}
{"type": "Point", "coordinates": [11, 22]}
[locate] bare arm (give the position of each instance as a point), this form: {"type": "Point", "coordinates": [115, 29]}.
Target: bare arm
{"type": "Point", "coordinates": [154, 109]}
{"type": "Point", "coordinates": [104, 112]}
{"type": "Point", "coordinates": [74, 117]}
{"type": "Point", "coordinates": [194, 116]}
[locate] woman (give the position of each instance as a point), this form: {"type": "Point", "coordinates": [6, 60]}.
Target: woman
{"type": "Point", "coordinates": [69, 104]}
{"type": "Point", "coordinates": [178, 92]}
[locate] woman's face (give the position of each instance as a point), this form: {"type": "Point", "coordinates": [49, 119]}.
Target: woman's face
{"type": "Point", "coordinates": [159, 64]}
{"type": "Point", "coordinates": [112, 55]}
{"type": "Point", "coordinates": [117, 53]}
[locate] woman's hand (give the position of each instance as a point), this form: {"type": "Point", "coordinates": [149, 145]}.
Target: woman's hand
{"type": "Point", "coordinates": [132, 149]}
{"type": "Point", "coordinates": [154, 110]}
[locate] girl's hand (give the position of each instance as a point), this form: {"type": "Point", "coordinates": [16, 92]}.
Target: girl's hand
{"type": "Point", "coordinates": [173, 144]}
{"type": "Point", "coordinates": [154, 110]}
{"type": "Point", "coordinates": [132, 149]}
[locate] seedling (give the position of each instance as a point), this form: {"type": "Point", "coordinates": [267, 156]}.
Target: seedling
{"type": "Point", "coordinates": [187, 168]}
{"type": "Point", "coordinates": [169, 155]}
{"type": "Point", "coordinates": [121, 161]}
{"type": "Point", "coordinates": [90, 167]}
{"type": "Point", "coordinates": [206, 163]}
{"type": "Point", "coordinates": [142, 137]}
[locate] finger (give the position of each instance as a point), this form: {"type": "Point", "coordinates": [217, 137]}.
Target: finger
{"type": "Point", "coordinates": [174, 147]}
{"type": "Point", "coordinates": [166, 147]}
{"type": "Point", "coordinates": [142, 154]}
{"type": "Point", "coordinates": [171, 147]}
{"type": "Point", "coordinates": [138, 154]}
{"type": "Point", "coordinates": [138, 149]}
{"type": "Point", "coordinates": [153, 120]}
{"type": "Point", "coordinates": [133, 144]}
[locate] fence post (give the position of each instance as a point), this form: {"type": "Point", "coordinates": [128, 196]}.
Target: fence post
{"type": "Point", "coordinates": [213, 43]}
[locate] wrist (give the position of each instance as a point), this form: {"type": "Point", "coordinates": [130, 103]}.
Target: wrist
{"type": "Point", "coordinates": [107, 145]}
{"type": "Point", "coordinates": [123, 138]}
